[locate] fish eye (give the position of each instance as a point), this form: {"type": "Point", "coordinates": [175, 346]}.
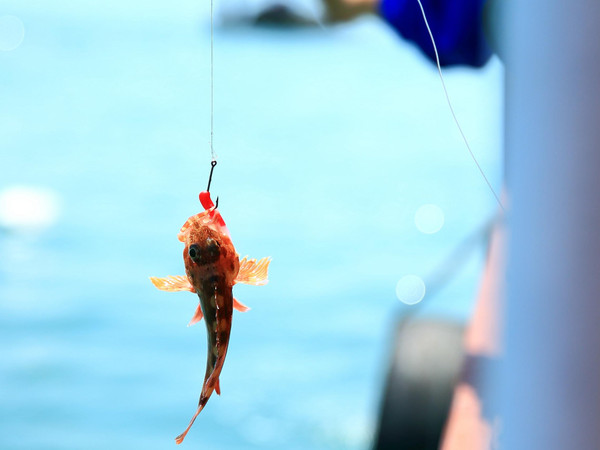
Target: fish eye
{"type": "Point", "coordinates": [206, 253]}
{"type": "Point", "coordinates": [194, 252]}
{"type": "Point", "coordinates": [213, 248]}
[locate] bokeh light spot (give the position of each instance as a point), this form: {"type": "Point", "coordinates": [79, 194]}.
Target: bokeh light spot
{"type": "Point", "coordinates": [28, 207]}
{"type": "Point", "coordinates": [410, 289]}
{"type": "Point", "coordinates": [12, 33]}
{"type": "Point", "coordinates": [429, 219]}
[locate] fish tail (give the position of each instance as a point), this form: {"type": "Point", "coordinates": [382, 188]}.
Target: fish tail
{"type": "Point", "coordinates": [203, 400]}
{"type": "Point", "coordinates": [211, 384]}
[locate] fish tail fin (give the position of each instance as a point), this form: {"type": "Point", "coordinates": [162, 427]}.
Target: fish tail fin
{"type": "Point", "coordinates": [179, 439]}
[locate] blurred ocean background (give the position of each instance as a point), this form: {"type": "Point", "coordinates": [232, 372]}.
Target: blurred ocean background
{"type": "Point", "coordinates": [329, 141]}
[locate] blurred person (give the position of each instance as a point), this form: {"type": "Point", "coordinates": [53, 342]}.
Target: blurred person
{"type": "Point", "coordinates": [457, 25]}
{"type": "Point", "coordinates": [463, 32]}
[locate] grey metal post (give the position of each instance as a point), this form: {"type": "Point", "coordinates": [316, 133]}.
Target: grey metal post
{"type": "Point", "coordinates": [550, 384]}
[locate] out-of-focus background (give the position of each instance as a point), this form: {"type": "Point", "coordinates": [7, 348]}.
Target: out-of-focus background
{"type": "Point", "coordinates": [338, 157]}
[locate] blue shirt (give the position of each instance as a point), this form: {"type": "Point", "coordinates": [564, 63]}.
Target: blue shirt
{"type": "Point", "coordinates": [456, 26]}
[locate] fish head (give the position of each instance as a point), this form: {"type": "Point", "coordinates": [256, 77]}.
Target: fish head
{"type": "Point", "coordinates": [208, 250]}
{"type": "Point", "coordinates": [210, 217]}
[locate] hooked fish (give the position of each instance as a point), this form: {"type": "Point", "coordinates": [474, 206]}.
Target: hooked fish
{"type": "Point", "coordinates": [212, 267]}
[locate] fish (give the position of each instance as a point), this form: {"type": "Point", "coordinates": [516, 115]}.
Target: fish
{"type": "Point", "coordinates": [212, 268]}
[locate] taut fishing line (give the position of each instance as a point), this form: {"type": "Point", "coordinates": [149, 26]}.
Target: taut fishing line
{"type": "Point", "coordinates": [213, 155]}
{"type": "Point", "coordinates": [212, 90]}
{"type": "Point", "coordinates": [439, 67]}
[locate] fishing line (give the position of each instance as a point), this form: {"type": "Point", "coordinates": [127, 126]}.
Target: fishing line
{"type": "Point", "coordinates": [213, 155]}
{"type": "Point", "coordinates": [439, 67]}
{"type": "Point", "coordinates": [212, 90]}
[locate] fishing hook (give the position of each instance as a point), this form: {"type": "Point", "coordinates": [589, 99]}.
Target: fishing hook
{"type": "Point", "coordinates": [213, 163]}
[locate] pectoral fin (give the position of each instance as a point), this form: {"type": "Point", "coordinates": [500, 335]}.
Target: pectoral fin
{"type": "Point", "coordinates": [173, 283]}
{"type": "Point", "coordinates": [253, 272]}
{"type": "Point", "coordinates": [240, 306]}
{"type": "Point", "coordinates": [197, 316]}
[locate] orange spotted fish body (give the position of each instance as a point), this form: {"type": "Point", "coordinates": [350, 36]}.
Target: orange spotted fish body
{"type": "Point", "coordinates": [212, 267]}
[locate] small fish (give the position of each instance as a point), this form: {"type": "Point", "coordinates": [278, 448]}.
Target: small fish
{"type": "Point", "coordinates": [212, 267]}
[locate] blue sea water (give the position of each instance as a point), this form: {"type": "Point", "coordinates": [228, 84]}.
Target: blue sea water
{"type": "Point", "coordinates": [328, 140]}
